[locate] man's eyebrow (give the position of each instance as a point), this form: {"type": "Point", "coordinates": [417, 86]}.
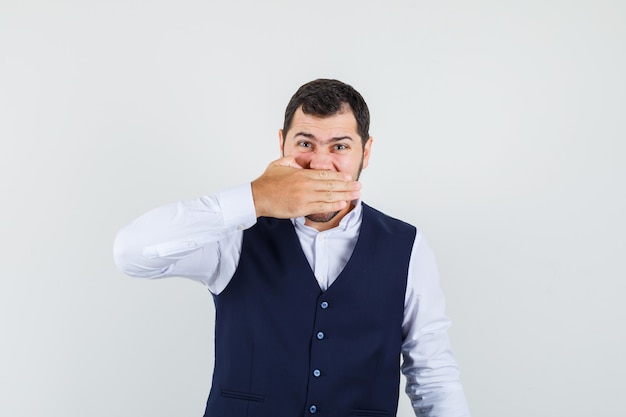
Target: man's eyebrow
{"type": "Point", "coordinates": [312, 136]}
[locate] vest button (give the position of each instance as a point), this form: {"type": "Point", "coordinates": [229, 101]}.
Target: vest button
{"type": "Point", "coordinates": [317, 373]}
{"type": "Point", "coordinates": [320, 335]}
{"type": "Point", "coordinates": [313, 409]}
{"type": "Point", "coordinates": [324, 305]}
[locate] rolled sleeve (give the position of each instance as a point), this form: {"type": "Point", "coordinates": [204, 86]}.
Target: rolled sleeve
{"type": "Point", "coordinates": [237, 207]}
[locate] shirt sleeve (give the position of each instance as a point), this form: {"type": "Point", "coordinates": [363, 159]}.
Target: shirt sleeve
{"type": "Point", "coordinates": [198, 239]}
{"type": "Point", "coordinates": [433, 384]}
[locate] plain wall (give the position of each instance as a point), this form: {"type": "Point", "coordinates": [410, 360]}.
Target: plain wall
{"type": "Point", "coordinates": [499, 131]}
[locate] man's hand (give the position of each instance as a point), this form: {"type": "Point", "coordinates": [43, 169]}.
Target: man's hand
{"type": "Point", "coordinates": [286, 190]}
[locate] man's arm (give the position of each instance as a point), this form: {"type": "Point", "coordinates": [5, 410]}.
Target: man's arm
{"type": "Point", "coordinates": [201, 239]}
{"type": "Point", "coordinates": [433, 384]}
{"type": "Point", "coordinates": [198, 239]}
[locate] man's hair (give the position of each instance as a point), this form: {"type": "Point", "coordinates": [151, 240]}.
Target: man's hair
{"type": "Point", "coordinates": [324, 97]}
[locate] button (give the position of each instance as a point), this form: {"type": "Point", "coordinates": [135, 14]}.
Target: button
{"type": "Point", "coordinates": [320, 238]}
{"type": "Point", "coordinates": [317, 373]}
{"type": "Point", "coordinates": [191, 244]}
{"type": "Point", "coordinates": [324, 305]}
{"type": "Point", "coordinates": [320, 335]}
{"type": "Point", "coordinates": [313, 409]}
{"type": "Point", "coordinates": [241, 227]}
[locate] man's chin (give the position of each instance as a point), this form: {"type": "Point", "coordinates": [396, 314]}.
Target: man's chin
{"type": "Point", "coordinates": [322, 217]}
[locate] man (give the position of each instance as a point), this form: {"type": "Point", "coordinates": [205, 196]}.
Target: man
{"type": "Point", "coordinates": [317, 295]}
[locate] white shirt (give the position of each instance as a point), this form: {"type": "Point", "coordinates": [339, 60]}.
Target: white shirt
{"type": "Point", "coordinates": [201, 240]}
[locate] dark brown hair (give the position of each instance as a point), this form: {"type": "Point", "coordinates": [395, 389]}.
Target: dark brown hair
{"type": "Point", "coordinates": [324, 97]}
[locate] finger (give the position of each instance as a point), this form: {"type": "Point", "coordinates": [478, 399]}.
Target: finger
{"type": "Point", "coordinates": [327, 207]}
{"type": "Point", "coordinates": [335, 196]}
{"type": "Point", "coordinates": [337, 185]}
{"type": "Point", "coordinates": [328, 175]}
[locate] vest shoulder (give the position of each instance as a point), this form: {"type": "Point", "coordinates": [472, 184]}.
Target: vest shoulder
{"type": "Point", "coordinates": [391, 223]}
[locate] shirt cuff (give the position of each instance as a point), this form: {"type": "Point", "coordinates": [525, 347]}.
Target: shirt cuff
{"type": "Point", "coordinates": [237, 206]}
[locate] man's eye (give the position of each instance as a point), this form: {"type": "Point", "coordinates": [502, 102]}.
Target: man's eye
{"type": "Point", "coordinates": [340, 147]}
{"type": "Point", "coordinates": [304, 144]}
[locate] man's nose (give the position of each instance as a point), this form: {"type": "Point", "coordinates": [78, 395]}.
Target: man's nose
{"type": "Point", "coordinates": [320, 160]}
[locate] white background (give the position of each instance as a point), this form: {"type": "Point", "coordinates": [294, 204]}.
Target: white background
{"type": "Point", "coordinates": [499, 131]}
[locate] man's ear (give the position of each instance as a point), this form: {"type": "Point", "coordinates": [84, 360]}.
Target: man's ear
{"type": "Point", "coordinates": [281, 142]}
{"type": "Point", "coordinates": [367, 149]}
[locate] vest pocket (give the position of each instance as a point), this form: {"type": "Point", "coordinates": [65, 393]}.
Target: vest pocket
{"type": "Point", "coordinates": [368, 413]}
{"type": "Point", "coordinates": [245, 396]}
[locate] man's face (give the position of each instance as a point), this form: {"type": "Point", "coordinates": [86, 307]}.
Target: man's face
{"type": "Point", "coordinates": [326, 143]}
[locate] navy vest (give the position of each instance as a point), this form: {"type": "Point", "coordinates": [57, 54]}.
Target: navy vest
{"type": "Point", "coordinates": [284, 348]}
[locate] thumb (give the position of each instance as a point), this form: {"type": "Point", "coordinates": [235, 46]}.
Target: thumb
{"type": "Point", "coordinates": [287, 161]}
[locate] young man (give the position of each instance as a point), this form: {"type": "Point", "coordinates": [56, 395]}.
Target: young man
{"type": "Point", "coordinates": [317, 295]}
